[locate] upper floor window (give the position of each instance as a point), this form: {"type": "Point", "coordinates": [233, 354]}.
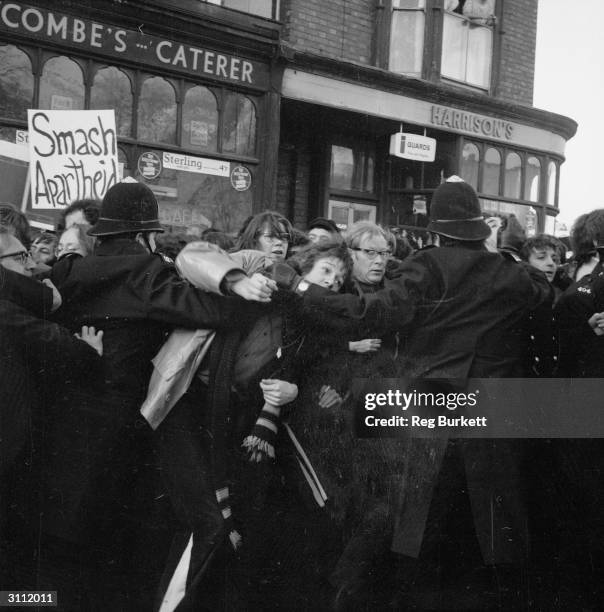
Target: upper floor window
{"type": "Point", "coordinates": [157, 111]}
{"type": "Point", "coordinates": [407, 36]}
{"type": "Point", "coordinates": [467, 47]}
{"type": "Point", "coordinates": [263, 8]}
{"type": "Point", "coordinates": [112, 88]}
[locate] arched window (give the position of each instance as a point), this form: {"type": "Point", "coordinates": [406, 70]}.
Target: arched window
{"type": "Point", "coordinates": [552, 171]}
{"type": "Point", "coordinates": [470, 161]}
{"type": "Point", "coordinates": [62, 85]}
{"type": "Point", "coordinates": [157, 111]}
{"type": "Point", "coordinates": [200, 119]}
{"type": "Point", "coordinates": [513, 171]}
{"type": "Point", "coordinates": [532, 175]}
{"type": "Point", "coordinates": [239, 125]}
{"type": "Point", "coordinates": [16, 82]}
{"type": "Point", "coordinates": [492, 171]}
{"type": "Point", "coordinates": [122, 159]}
{"type": "Point", "coordinates": [112, 89]}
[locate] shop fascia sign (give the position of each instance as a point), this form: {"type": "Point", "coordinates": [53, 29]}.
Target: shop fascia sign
{"type": "Point", "coordinates": [412, 146]}
{"type": "Point", "coordinates": [131, 45]}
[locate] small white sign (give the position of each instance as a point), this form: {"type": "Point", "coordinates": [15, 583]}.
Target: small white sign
{"type": "Point", "coordinates": [201, 165]}
{"type": "Point", "coordinates": [413, 146]}
{"type": "Point", "coordinates": [22, 137]}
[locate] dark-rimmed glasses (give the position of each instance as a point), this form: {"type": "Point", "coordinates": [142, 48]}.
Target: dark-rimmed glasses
{"type": "Point", "coordinates": [372, 253]}
{"type": "Point", "coordinates": [19, 256]}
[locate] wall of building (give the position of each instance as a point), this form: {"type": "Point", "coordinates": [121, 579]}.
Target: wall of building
{"type": "Point", "coordinates": [517, 65]}
{"type": "Point", "coordinates": [339, 29]}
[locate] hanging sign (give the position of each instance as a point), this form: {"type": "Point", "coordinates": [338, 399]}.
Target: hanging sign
{"type": "Point", "coordinates": [241, 178]}
{"type": "Point", "coordinates": [73, 155]}
{"type": "Point", "coordinates": [413, 146]}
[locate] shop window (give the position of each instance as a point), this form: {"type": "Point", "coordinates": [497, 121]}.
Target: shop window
{"type": "Point", "coordinates": [239, 125]}
{"type": "Point", "coordinates": [470, 161]}
{"type": "Point", "coordinates": [200, 120]}
{"type": "Point", "coordinates": [513, 172]}
{"type": "Point", "coordinates": [344, 214]}
{"type": "Point", "coordinates": [61, 85]}
{"type": "Point", "coordinates": [492, 171]}
{"type": "Point", "coordinates": [112, 89]}
{"type": "Point", "coordinates": [16, 82]}
{"type": "Point", "coordinates": [467, 47]}
{"type": "Point", "coordinates": [157, 111]}
{"type": "Point", "coordinates": [407, 36]}
{"type": "Point", "coordinates": [532, 174]}
{"type": "Point", "coordinates": [552, 171]}
{"type": "Point", "coordinates": [124, 164]}
{"type": "Point", "coordinates": [352, 169]}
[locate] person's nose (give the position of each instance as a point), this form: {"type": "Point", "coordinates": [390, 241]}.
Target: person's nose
{"type": "Point", "coordinates": [30, 264]}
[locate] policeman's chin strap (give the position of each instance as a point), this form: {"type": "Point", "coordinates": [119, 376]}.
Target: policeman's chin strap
{"type": "Point", "coordinates": [147, 244]}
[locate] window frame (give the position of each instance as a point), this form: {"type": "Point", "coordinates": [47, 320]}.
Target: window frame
{"type": "Point", "coordinates": [433, 44]}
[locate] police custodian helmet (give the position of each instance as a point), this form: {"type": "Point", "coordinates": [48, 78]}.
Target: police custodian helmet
{"type": "Point", "coordinates": [127, 207]}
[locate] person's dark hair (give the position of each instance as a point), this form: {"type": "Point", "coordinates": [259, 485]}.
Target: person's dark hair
{"type": "Point", "coordinates": [273, 221]}
{"type": "Point", "coordinates": [219, 238]}
{"type": "Point", "coordinates": [16, 223]}
{"type": "Point", "coordinates": [172, 244]}
{"type": "Point", "coordinates": [89, 207]}
{"type": "Point", "coordinates": [586, 228]}
{"type": "Point", "coordinates": [299, 239]}
{"type": "Point", "coordinates": [540, 242]}
{"type": "Point", "coordinates": [305, 258]}
{"type": "Point", "coordinates": [402, 248]}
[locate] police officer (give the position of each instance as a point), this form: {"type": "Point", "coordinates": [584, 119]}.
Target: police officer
{"type": "Point", "coordinates": [99, 470]}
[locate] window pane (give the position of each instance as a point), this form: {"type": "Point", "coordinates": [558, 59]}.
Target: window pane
{"type": "Point", "coordinates": [526, 215]}
{"type": "Point", "coordinates": [469, 164]}
{"type": "Point", "coordinates": [407, 42]}
{"type": "Point", "coordinates": [551, 183]}
{"type": "Point", "coordinates": [408, 4]}
{"type": "Point", "coordinates": [112, 89]}
{"type": "Point", "coordinates": [480, 44]}
{"type": "Point", "coordinates": [200, 120]}
{"type": "Point", "coordinates": [16, 83]}
{"type": "Point", "coordinates": [239, 125]}
{"type": "Point", "coordinates": [492, 171]}
{"type": "Point", "coordinates": [512, 183]}
{"type": "Point", "coordinates": [262, 8]}
{"type": "Point", "coordinates": [157, 111]}
{"type": "Point", "coordinates": [467, 50]}
{"type": "Point", "coordinates": [342, 168]}
{"type": "Point", "coordinates": [531, 179]}
{"type": "Point", "coordinates": [351, 169]}
{"type": "Point", "coordinates": [455, 46]}
{"type": "Point", "coordinates": [61, 85]}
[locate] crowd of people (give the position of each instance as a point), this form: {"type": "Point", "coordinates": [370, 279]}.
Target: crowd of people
{"type": "Point", "coordinates": [177, 425]}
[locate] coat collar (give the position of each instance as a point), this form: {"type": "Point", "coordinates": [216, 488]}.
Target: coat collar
{"type": "Point", "coordinates": [120, 246]}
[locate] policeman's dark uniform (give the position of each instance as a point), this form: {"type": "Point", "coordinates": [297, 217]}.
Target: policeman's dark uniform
{"type": "Point", "coordinates": [100, 475]}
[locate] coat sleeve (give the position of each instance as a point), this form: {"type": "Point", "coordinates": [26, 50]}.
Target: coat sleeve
{"type": "Point", "coordinates": [175, 302]}
{"type": "Point", "coordinates": [52, 348]}
{"type": "Point", "coordinates": [205, 265]}
{"type": "Point", "coordinates": [25, 292]}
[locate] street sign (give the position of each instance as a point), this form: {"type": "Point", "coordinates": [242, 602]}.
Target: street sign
{"type": "Point", "coordinates": [413, 146]}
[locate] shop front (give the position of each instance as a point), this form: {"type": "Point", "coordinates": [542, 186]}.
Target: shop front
{"type": "Point", "coordinates": [193, 100]}
{"type": "Point", "coordinates": [510, 154]}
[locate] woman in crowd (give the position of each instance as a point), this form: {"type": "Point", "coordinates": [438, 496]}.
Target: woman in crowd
{"type": "Point", "coordinates": [261, 370]}
{"type": "Point", "coordinates": [75, 241]}
{"type": "Point", "coordinates": [43, 249]}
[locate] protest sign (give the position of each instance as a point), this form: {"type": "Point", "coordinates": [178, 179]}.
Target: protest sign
{"type": "Point", "coordinates": [73, 155]}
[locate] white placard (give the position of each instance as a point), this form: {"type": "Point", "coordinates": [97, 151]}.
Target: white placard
{"type": "Point", "coordinates": [201, 165]}
{"type": "Point", "coordinates": [413, 146]}
{"type": "Point", "coordinates": [73, 155]}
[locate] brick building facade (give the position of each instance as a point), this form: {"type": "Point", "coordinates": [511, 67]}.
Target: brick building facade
{"type": "Point", "coordinates": [308, 130]}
